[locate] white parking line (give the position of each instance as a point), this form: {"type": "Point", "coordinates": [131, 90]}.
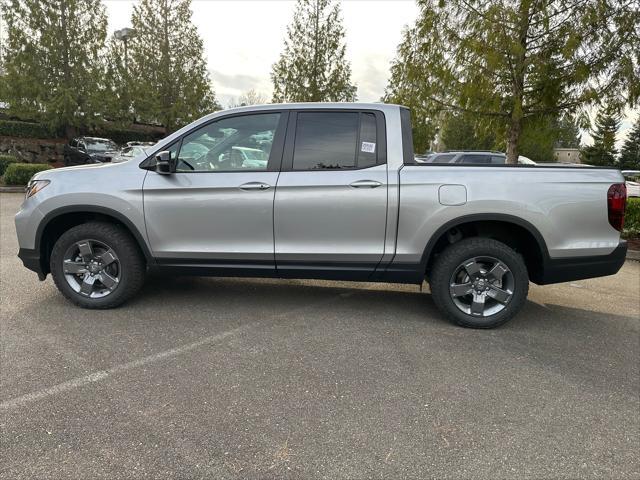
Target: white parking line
{"type": "Point", "coordinates": [101, 375]}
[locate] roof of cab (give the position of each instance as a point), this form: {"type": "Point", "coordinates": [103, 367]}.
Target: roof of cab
{"type": "Point", "coordinates": [311, 106]}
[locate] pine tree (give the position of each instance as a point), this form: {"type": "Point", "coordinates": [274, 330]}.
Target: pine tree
{"type": "Point", "coordinates": [513, 61]}
{"type": "Point", "coordinates": [52, 61]}
{"type": "Point", "coordinates": [568, 132]}
{"type": "Point", "coordinates": [171, 84]}
{"type": "Point", "coordinates": [464, 132]}
{"type": "Point", "coordinates": [630, 153]}
{"type": "Point", "coordinates": [603, 151]}
{"type": "Point", "coordinates": [117, 83]}
{"type": "Point", "coordinates": [313, 67]}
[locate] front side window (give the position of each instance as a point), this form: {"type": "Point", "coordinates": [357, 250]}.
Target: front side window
{"type": "Point", "coordinates": [231, 144]}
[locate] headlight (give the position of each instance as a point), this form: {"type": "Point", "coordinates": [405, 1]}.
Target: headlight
{"type": "Point", "coordinates": [34, 186]}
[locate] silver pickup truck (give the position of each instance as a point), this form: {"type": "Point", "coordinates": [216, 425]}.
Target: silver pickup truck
{"type": "Point", "coordinates": [328, 191]}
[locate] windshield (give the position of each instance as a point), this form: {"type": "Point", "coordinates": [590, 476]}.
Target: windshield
{"type": "Point", "coordinates": [100, 145]}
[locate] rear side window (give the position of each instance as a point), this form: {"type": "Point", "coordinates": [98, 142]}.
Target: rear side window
{"type": "Point", "coordinates": [335, 140]}
{"type": "Point", "coordinates": [325, 140]}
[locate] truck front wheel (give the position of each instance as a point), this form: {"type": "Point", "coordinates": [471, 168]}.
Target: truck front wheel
{"type": "Point", "coordinates": [479, 282]}
{"type": "Point", "coordinates": [97, 265]}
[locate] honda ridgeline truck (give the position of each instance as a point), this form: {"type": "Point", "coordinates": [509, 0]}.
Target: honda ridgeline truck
{"type": "Point", "coordinates": [326, 191]}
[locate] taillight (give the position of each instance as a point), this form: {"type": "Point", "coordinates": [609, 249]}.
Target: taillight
{"type": "Point", "coordinates": [616, 205]}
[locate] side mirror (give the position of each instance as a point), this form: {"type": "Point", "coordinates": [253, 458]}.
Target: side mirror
{"type": "Point", "coordinates": [165, 165]}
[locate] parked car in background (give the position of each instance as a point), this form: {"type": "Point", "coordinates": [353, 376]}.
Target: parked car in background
{"type": "Point", "coordinates": [632, 181]}
{"type": "Point", "coordinates": [86, 150]}
{"type": "Point", "coordinates": [471, 157]}
{"type": "Point", "coordinates": [339, 197]}
{"type": "Point", "coordinates": [133, 149]}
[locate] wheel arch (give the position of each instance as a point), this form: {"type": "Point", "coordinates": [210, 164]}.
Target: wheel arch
{"type": "Point", "coordinates": [514, 231]}
{"type": "Point", "coordinates": [58, 221]}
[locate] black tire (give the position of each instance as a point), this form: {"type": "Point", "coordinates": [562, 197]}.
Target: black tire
{"type": "Point", "coordinates": [132, 266]}
{"type": "Point", "coordinates": [449, 262]}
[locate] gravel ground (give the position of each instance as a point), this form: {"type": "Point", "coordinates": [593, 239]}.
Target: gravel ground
{"type": "Point", "coordinates": [245, 378]}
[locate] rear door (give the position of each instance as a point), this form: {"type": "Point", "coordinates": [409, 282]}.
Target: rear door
{"type": "Point", "coordinates": [331, 197]}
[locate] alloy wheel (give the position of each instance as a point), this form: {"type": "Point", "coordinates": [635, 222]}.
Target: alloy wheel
{"type": "Point", "coordinates": [481, 286]}
{"type": "Point", "coordinates": [91, 268]}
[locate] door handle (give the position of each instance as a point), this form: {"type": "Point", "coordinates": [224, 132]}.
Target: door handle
{"type": "Point", "coordinates": [255, 186]}
{"type": "Point", "coordinates": [365, 184]}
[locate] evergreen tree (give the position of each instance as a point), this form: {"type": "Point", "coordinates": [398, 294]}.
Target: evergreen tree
{"type": "Point", "coordinates": [313, 67]}
{"type": "Point", "coordinates": [117, 83]}
{"type": "Point", "coordinates": [603, 151]}
{"type": "Point", "coordinates": [513, 61]}
{"type": "Point", "coordinates": [568, 132]}
{"type": "Point", "coordinates": [402, 91]}
{"type": "Point", "coordinates": [630, 153]}
{"type": "Point", "coordinates": [52, 61]}
{"type": "Point", "coordinates": [171, 84]}
{"type": "Point", "coordinates": [465, 132]}
{"type": "Point", "coordinates": [538, 138]}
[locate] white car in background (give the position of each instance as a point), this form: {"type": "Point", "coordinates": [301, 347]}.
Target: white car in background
{"type": "Point", "coordinates": [133, 149]}
{"type": "Point", "coordinates": [631, 181]}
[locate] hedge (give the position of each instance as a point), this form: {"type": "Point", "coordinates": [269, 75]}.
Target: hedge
{"type": "Point", "coordinates": [21, 173]}
{"type": "Point", "coordinates": [5, 160]}
{"type": "Point", "coordinates": [13, 128]}
{"type": "Point", "coordinates": [632, 218]}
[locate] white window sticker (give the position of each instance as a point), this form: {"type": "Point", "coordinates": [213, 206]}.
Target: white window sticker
{"type": "Point", "coordinates": [368, 147]}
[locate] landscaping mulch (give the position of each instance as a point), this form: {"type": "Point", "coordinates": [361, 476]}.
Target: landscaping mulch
{"type": "Point", "coordinates": [633, 244]}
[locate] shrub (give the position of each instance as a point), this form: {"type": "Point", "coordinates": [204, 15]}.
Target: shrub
{"type": "Point", "coordinates": [632, 218]}
{"type": "Point", "coordinates": [21, 173]}
{"type": "Point", "coordinates": [5, 160]}
{"type": "Point", "coordinates": [12, 128]}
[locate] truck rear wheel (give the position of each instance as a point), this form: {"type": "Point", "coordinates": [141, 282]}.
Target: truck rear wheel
{"type": "Point", "coordinates": [97, 265]}
{"type": "Point", "coordinates": [479, 282]}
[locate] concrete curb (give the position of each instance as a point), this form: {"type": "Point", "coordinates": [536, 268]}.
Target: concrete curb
{"type": "Point", "coordinates": [12, 189]}
{"type": "Point", "coordinates": [633, 255]}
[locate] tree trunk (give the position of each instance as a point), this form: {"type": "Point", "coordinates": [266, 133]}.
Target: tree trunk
{"type": "Point", "coordinates": [515, 128]}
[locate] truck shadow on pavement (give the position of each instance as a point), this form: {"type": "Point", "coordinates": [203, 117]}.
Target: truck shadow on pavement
{"type": "Point", "coordinates": [397, 303]}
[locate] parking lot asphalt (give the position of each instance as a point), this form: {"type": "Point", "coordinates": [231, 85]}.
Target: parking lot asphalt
{"type": "Point", "coordinates": [246, 378]}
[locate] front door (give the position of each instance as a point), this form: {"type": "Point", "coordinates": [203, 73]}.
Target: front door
{"type": "Point", "coordinates": [331, 197]}
{"type": "Point", "coordinates": [217, 209]}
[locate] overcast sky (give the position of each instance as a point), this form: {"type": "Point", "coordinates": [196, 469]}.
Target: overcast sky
{"type": "Point", "coordinates": [243, 38]}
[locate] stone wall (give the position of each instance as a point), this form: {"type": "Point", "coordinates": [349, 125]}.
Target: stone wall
{"type": "Point", "coordinates": [34, 150]}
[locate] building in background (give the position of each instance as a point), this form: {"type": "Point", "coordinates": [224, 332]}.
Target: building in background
{"type": "Point", "coordinates": [567, 155]}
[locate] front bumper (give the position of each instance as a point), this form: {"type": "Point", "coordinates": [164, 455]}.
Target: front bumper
{"type": "Point", "coordinates": [557, 270]}
{"type": "Point", "coordinates": [31, 259]}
